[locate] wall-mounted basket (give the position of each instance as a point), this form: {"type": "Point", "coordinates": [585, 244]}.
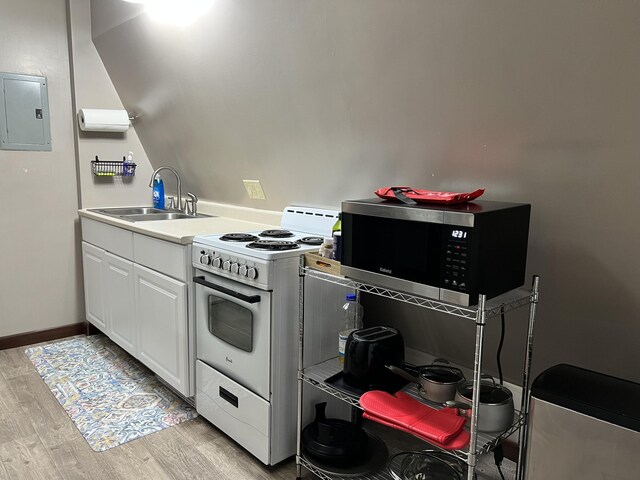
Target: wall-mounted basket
{"type": "Point", "coordinates": [102, 168]}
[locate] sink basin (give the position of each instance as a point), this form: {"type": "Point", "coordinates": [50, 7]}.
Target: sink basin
{"type": "Point", "coordinates": [118, 211]}
{"type": "Point", "coordinates": [145, 214]}
{"type": "Point", "coordinates": [160, 216]}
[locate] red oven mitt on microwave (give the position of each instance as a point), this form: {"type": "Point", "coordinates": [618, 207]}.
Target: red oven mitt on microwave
{"type": "Point", "coordinates": [411, 196]}
{"type": "Point", "coordinates": [441, 427]}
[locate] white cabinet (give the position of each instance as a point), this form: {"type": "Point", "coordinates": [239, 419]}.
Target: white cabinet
{"type": "Point", "coordinates": [120, 302]}
{"type": "Point", "coordinates": [161, 314]}
{"type": "Point", "coordinates": [94, 291]}
{"type": "Point", "coordinates": [136, 293]}
{"type": "Point", "coordinates": [109, 295]}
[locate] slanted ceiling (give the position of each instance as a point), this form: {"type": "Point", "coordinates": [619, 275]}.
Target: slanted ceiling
{"type": "Point", "coordinates": [326, 99]}
{"type": "Point", "coordinates": [323, 100]}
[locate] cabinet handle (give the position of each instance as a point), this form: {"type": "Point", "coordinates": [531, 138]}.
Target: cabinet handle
{"type": "Point", "coordinates": [239, 296]}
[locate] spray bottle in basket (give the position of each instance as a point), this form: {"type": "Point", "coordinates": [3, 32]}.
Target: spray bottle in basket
{"type": "Point", "coordinates": [353, 313]}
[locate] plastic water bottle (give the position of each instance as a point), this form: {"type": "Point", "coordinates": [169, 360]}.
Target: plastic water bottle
{"type": "Point", "coordinates": [353, 313]}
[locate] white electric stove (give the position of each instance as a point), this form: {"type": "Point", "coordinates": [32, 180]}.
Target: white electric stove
{"type": "Point", "coordinates": [247, 301]}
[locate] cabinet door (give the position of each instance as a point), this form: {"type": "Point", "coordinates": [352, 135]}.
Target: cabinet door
{"type": "Point", "coordinates": [161, 306]}
{"type": "Point", "coordinates": [120, 302]}
{"type": "Point", "coordinates": [94, 291]}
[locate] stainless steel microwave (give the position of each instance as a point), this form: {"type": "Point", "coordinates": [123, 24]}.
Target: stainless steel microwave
{"type": "Point", "coordinates": [450, 253]}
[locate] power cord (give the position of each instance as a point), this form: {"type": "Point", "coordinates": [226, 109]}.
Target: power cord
{"type": "Point", "coordinates": [498, 456]}
{"type": "Point", "coordinates": [498, 452]}
{"type": "Point", "coordinates": [499, 352]}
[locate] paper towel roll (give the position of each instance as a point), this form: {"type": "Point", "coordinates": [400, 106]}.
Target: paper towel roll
{"type": "Point", "coordinates": [95, 120]}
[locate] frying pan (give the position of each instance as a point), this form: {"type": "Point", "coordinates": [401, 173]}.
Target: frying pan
{"type": "Point", "coordinates": [437, 382]}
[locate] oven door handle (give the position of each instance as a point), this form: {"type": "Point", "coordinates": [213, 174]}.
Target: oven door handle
{"type": "Point", "coordinates": [228, 291]}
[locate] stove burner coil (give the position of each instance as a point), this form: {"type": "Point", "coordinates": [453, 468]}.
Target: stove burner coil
{"type": "Point", "coordinates": [273, 245]}
{"type": "Point", "coordinates": [276, 233]}
{"type": "Point", "coordinates": [311, 241]}
{"type": "Point", "coordinates": [238, 237]}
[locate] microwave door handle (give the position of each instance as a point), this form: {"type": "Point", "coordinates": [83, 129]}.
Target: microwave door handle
{"type": "Point", "coordinates": [228, 291]}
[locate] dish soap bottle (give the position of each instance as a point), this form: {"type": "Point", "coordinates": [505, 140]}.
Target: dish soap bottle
{"type": "Point", "coordinates": [353, 313]}
{"type": "Point", "coordinates": [338, 225]}
{"type": "Point", "coordinates": [336, 233]}
{"type": "Point", "coordinates": [158, 192]}
{"type": "Point", "coordinates": [128, 167]}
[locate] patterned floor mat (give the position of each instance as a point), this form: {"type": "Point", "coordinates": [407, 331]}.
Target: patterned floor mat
{"type": "Point", "coordinates": [111, 398]}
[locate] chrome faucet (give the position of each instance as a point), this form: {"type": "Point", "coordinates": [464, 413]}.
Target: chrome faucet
{"type": "Point", "coordinates": [172, 170]}
{"type": "Point", "coordinates": [191, 204]}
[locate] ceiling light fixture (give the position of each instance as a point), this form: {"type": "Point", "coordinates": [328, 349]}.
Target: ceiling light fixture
{"type": "Point", "coordinates": [175, 12]}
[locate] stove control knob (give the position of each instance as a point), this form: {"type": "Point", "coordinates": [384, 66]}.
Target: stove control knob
{"type": "Point", "coordinates": [242, 270]}
{"type": "Point", "coordinates": [204, 259]}
{"type": "Point", "coordinates": [252, 273]}
{"type": "Point", "coordinates": [216, 262]}
{"type": "Point", "coordinates": [226, 265]}
{"type": "Point", "coordinates": [234, 267]}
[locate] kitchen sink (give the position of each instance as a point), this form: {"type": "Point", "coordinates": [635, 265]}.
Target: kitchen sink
{"type": "Point", "coordinates": [161, 216]}
{"type": "Point", "coordinates": [118, 211]}
{"type": "Point", "coordinates": [145, 214]}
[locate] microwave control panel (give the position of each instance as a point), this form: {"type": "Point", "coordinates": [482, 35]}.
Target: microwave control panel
{"type": "Point", "coordinates": [455, 271]}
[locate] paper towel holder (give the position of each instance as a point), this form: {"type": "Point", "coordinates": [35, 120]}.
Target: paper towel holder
{"type": "Point", "coordinates": [103, 120]}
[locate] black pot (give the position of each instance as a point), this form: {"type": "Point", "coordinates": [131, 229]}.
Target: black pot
{"type": "Point", "coordinates": [367, 352]}
{"type": "Point", "coordinates": [333, 441]}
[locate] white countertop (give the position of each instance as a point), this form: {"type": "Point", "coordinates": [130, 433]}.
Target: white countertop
{"type": "Point", "coordinates": [182, 231]}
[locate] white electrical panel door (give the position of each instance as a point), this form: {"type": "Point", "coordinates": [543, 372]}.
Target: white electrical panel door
{"type": "Point", "coordinates": [24, 113]}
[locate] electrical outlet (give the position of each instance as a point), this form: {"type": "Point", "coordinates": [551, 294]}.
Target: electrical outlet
{"type": "Point", "coordinates": [254, 189]}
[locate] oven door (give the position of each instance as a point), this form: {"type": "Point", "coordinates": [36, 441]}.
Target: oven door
{"type": "Point", "coordinates": [233, 327]}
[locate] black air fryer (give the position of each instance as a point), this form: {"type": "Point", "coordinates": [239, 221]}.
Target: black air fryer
{"type": "Point", "coordinates": [367, 352]}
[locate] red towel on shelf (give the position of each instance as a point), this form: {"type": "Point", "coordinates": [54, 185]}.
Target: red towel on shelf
{"type": "Point", "coordinates": [440, 427]}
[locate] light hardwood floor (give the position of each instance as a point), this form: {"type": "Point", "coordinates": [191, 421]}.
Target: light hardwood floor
{"type": "Point", "coordinates": [39, 441]}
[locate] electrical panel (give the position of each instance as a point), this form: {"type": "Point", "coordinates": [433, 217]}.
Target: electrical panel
{"type": "Point", "coordinates": [24, 113]}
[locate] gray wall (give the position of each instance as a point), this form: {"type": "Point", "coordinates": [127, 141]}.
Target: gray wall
{"type": "Point", "coordinates": [40, 192]}
{"type": "Point", "coordinates": [324, 100]}
{"type": "Point", "coordinates": [40, 277]}
{"type": "Point", "coordinates": [92, 88]}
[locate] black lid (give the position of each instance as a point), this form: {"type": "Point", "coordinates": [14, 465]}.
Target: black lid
{"type": "Point", "coordinates": [597, 395]}
{"type": "Point", "coordinates": [489, 394]}
{"type": "Point", "coordinates": [441, 374]}
{"type": "Point", "coordinates": [334, 440]}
